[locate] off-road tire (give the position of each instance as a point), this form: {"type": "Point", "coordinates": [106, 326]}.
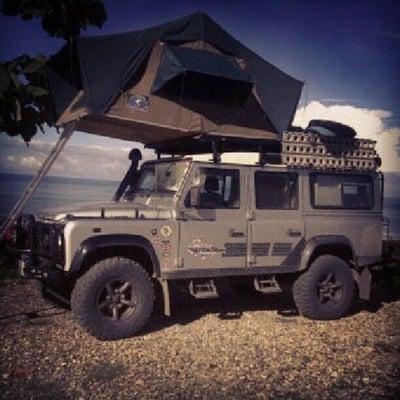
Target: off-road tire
{"type": "Point", "coordinates": [84, 299]}
{"type": "Point", "coordinates": [306, 289]}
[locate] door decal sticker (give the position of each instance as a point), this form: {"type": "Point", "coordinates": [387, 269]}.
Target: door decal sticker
{"type": "Point", "coordinates": [282, 249]}
{"type": "Point", "coordinates": [202, 249]}
{"type": "Point", "coordinates": [260, 249]}
{"type": "Point", "coordinates": [235, 250]}
{"type": "Point", "coordinates": [166, 231]}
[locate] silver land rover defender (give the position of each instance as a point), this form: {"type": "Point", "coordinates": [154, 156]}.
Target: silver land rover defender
{"type": "Point", "coordinates": [202, 224]}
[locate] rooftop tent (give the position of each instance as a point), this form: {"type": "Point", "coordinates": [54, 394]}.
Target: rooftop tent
{"type": "Point", "coordinates": [201, 75]}
{"type": "Point", "coordinates": [185, 79]}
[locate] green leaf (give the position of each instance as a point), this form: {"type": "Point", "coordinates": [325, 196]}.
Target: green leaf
{"type": "Point", "coordinates": [16, 65]}
{"type": "Point", "coordinates": [33, 66]}
{"type": "Point", "coordinates": [14, 78]}
{"type": "Point", "coordinates": [37, 91]}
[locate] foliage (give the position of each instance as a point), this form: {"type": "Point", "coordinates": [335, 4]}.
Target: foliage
{"type": "Point", "coordinates": [25, 101]}
{"type": "Point", "coordinates": [61, 18]}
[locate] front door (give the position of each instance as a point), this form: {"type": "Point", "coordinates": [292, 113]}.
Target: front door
{"type": "Point", "coordinates": [213, 232]}
{"type": "Point", "coordinates": [277, 228]}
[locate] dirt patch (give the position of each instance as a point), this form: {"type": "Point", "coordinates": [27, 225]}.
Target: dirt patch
{"type": "Point", "coordinates": [238, 347]}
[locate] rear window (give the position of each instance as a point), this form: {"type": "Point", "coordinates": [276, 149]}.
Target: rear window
{"type": "Point", "coordinates": [276, 191]}
{"type": "Point", "coordinates": [341, 191]}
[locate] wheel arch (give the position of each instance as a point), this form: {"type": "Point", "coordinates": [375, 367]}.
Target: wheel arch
{"type": "Point", "coordinates": [97, 248]}
{"type": "Point", "coordinates": [335, 245]}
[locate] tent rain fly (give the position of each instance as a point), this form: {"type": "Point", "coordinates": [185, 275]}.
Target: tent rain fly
{"type": "Point", "coordinates": [174, 83]}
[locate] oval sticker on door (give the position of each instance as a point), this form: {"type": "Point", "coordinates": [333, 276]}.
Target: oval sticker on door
{"type": "Point", "coordinates": [166, 231]}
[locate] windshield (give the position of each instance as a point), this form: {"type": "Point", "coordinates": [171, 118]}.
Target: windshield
{"type": "Point", "coordinates": [164, 178]}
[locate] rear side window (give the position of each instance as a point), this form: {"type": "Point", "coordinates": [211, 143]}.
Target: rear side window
{"type": "Point", "coordinates": [276, 191]}
{"type": "Point", "coordinates": [342, 191]}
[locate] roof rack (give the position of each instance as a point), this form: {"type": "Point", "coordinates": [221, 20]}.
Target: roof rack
{"type": "Point", "coordinates": [310, 150]}
{"type": "Point", "coordinates": [216, 145]}
{"type": "Point", "coordinates": [298, 149]}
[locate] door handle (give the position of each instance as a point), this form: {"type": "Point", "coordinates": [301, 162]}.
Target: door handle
{"type": "Point", "coordinates": [294, 232]}
{"type": "Point", "coordinates": [235, 233]}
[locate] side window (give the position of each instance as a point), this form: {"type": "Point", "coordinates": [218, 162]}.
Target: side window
{"type": "Point", "coordinates": [276, 191]}
{"type": "Point", "coordinates": [215, 188]}
{"type": "Point", "coordinates": [342, 191]}
{"type": "Point", "coordinates": [327, 191]}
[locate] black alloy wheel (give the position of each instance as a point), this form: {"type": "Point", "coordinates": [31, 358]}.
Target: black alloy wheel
{"type": "Point", "coordinates": [326, 290]}
{"type": "Point", "coordinates": [114, 299]}
{"type": "Point", "coordinates": [329, 289]}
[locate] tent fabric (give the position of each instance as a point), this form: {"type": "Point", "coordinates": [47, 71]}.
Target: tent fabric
{"type": "Point", "coordinates": [201, 75]}
{"type": "Point", "coordinates": [186, 114]}
{"type": "Point", "coordinates": [109, 65]}
{"type": "Point", "coordinates": [179, 60]}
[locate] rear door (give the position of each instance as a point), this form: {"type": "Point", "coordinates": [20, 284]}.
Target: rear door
{"type": "Point", "coordinates": [277, 227]}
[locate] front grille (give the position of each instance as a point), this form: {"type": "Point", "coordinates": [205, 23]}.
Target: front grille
{"type": "Point", "coordinates": [42, 239]}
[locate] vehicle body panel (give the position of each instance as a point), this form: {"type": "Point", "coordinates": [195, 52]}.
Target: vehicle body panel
{"type": "Point", "coordinates": [225, 242]}
{"type": "Point", "coordinates": [363, 228]}
{"type": "Point", "coordinates": [162, 234]}
{"type": "Point", "coordinates": [275, 233]}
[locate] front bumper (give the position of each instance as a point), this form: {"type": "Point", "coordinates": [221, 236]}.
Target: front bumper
{"type": "Point", "coordinates": [33, 268]}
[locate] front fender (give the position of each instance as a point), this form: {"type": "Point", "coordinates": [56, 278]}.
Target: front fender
{"type": "Point", "coordinates": [317, 241]}
{"type": "Point", "coordinates": [96, 243]}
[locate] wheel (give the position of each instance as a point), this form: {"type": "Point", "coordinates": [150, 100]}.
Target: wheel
{"type": "Point", "coordinates": [326, 290]}
{"type": "Point", "coordinates": [114, 299]}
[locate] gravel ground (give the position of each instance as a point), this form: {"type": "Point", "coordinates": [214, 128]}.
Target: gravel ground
{"type": "Point", "coordinates": [238, 347]}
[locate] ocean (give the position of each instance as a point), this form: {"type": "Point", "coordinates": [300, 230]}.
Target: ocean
{"type": "Point", "coordinates": [54, 192]}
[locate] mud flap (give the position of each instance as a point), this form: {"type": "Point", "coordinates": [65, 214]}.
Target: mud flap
{"type": "Point", "coordinates": [363, 279]}
{"type": "Point", "coordinates": [167, 304]}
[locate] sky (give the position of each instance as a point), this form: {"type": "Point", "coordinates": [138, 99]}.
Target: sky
{"type": "Point", "coordinates": [347, 53]}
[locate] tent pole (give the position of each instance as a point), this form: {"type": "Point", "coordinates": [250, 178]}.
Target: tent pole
{"type": "Point", "coordinates": [261, 156]}
{"type": "Point", "coordinates": [216, 152]}
{"type": "Point", "coordinates": [34, 183]}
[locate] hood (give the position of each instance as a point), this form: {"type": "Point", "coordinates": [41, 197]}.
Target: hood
{"type": "Point", "coordinates": [108, 209]}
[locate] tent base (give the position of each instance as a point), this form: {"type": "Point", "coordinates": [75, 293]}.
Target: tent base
{"type": "Point", "coordinates": [208, 143]}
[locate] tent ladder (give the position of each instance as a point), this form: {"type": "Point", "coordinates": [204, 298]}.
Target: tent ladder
{"type": "Point", "coordinates": [34, 183]}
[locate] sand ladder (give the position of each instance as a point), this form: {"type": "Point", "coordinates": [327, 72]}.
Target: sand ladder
{"type": "Point", "coordinates": [34, 183]}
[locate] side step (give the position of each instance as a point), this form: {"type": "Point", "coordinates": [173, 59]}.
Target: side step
{"type": "Point", "coordinates": [203, 290]}
{"type": "Point", "coordinates": [267, 285]}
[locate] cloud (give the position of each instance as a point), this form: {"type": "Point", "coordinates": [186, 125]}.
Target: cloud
{"type": "Point", "coordinates": [30, 162]}
{"type": "Point", "coordinates": [368, 123]}
{"type": "Point", "coordinates": [82, 157]}
{"type": "Point", "coordinates": [91, 156]}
